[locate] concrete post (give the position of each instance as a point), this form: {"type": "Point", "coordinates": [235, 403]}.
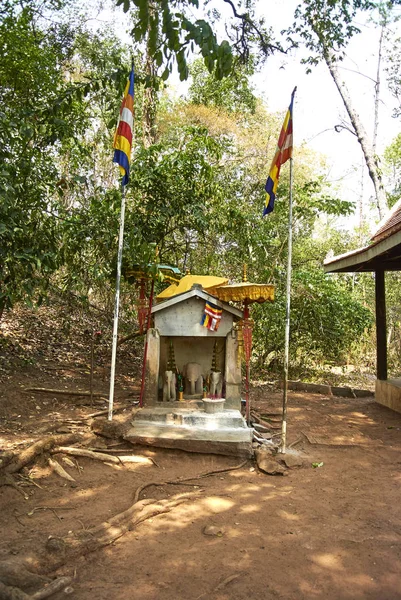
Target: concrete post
{"type": "Point", "coordinates": [232, 372]}
{"type": "Point", "coordinates": [152, 368]}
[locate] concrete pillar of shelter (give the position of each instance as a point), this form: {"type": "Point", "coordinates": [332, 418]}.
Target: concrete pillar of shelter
{"type": "Point", "coordinates": [152, 368]}
{"type": "Point", "coordinates": [381, 334]}
{"type": "Point", "coordinates": [232, 372]}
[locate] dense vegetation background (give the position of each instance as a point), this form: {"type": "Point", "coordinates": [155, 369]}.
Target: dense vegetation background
{"type": "Point", "coordinates": [198, 172]}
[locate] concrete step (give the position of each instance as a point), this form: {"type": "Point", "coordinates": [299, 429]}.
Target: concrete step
{"type": "Point", "coordinates": [189, 418]}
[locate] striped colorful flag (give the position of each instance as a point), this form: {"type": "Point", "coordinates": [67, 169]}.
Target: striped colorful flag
{"type": "Point", "coordinates": [282, 154]}
{"type": "Point", "coordinates": [123, 136]}
{"type": "Point", "coordinates": [211, 317]}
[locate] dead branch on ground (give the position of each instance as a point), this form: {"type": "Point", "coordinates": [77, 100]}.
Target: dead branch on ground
{"type": "Point", "coordinates": [100, 413]}
{"type": "Point", "coordinates": [220, 586]}
{"type": "Point", "coordinates": [38, 390]}
{"type": "Point", "coordinates": [183, 481]}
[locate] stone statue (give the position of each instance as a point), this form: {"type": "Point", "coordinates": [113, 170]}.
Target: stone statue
{"type": "Point", "coordinates": [216, 384]}
{"type": "Point", "coordinates": [193, 378]}
{"type": "Point", "coordinates": [169, 386]}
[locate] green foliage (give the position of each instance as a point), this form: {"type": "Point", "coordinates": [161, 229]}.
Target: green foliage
{"type": "Point", "coordinates": [34, 106]}
{"type": "Point", "coordinates": [326, 321]}
{"type": "Point", "coordinates": [173, 34]}
{"type": "Point", "coordinates": [326, 26]}
{"type": "Point", "coordinates": [173, 186]}
{"type": "Point", "coordinates": [392, 156]}
{"type": "Point", "coordinates": [233, 93]}
{"type": "Point", "coordinates": [59, 87]}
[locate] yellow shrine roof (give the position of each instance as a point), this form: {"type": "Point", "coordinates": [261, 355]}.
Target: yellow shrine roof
{"type": "Point", "coordinates": [186, 283]}
{"type": "Point", "coordinates": [244, 292]}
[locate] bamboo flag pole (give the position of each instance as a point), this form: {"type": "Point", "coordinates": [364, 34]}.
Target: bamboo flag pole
{"type": "Point", "coordinates": [122, 156]}
{"type": "Point", "coordinates": [116, 304]}
{"type": "Point", "coordinates": [282, 154]}
{"type": "Point", "coordinates": [287, 319]}
{"type": "Point", "coordinates": [288, 307]}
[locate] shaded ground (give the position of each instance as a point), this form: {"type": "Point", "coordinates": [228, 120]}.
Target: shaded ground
{"type": "Point", "coordinates": [330, 532]}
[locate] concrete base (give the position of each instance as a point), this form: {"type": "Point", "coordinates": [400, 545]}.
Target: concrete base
{"type": "Point", "coordinates": [388, 393]}
{"type": "Point", "coordinates": [192, 429]}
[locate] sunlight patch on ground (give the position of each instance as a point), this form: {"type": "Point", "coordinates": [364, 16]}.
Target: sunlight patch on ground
{"type": "Point", "coordinates": [288, 516]}
{"type": "Point", "coordinates": [362, 580]}
{"type": "Point", "coordinates": [239, 487]}
{"type": "Point", "coordinates": [250, 508]}
{"type": "Point", "coordinates": [187, 513]}
{"type": "Point", "coordinates": [360, 416]}
{"type": "Point", "coordinates": [329, 561]}
{"type": "Point", "coordinates": [217, 504]}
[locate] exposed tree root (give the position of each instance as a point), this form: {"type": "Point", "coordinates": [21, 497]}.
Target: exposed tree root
{"type": "Point", "coordinates": [7, 479]}
{"type": "Point", "coordinates": [87, 454]}
{"type": "Point", "coordinates": [102, 456]}
{"type": "Point", "coordinates": [61, 550]}
{"type": "Point", "coordinates": [15, 593]}
{"type": "Point", "coordinates": [14, 574]}
{"type": "Point", "coordinates": [57, 468]}
{"type": "Point", "coordinates": [24, 458]}
{"type": "Point", "coordinates": [256, 417]}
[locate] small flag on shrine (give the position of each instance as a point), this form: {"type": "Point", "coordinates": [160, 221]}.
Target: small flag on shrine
{"type": "Point", "coordinates": [211, 317]}
{"type": "Point", "coordinates": [123, 136]}
{"type": "Point", "coordinates": [282, 154]}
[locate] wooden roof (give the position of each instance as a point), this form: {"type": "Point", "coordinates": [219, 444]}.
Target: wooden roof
{"type": "Point", "coordinates": [389, 225]}
{"type": "Point", "coordinates": [383, 253]}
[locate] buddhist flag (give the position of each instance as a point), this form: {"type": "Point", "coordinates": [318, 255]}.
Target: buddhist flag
{"type": "Point", "coordinates": [123, 136]}
{"type": "Point", "coordinates": [211, 317]}
{"type": "Point", "coordinates": [282, 154]}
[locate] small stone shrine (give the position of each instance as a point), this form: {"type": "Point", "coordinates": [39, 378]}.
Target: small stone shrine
{"type": "Point", "coordinates": [206, 358]}
{"type": "Point", "coordinates": [192, 396]}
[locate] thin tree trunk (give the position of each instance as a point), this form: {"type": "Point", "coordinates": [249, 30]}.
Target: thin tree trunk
{"type": "Point", "coordinates": [377, 91]}
{"type": "Point", "coordinates": [149, 98]}
{"type": "Point", "coordinates": [370, 158]}
{"type": "Point", "coordinates": [2, 307]}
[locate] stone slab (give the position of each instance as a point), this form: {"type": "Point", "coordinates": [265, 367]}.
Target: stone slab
{"type": "Point", "coordinates": [231, 442]}
{"type": "Point", "coordinates": [342, 392]}
{"type": "Point", "coordinates": [327, 390]}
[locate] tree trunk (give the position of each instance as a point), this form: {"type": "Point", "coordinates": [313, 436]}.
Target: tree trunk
{"type": "Point", "coordinates": [370, 158]}
{"type": "Point", "coordinates": [377, 91]}
{"type": "Point", "coordinates": [149, 97]}
{"type": "Point", "coordinates": [2, 307]}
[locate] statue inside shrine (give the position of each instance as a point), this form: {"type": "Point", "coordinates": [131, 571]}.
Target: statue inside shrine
{"type": "Point", "coordinates": [192, 372]}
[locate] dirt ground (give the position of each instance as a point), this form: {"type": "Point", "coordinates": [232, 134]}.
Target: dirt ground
{"type": "Point", "coordinates": [331, 531]}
